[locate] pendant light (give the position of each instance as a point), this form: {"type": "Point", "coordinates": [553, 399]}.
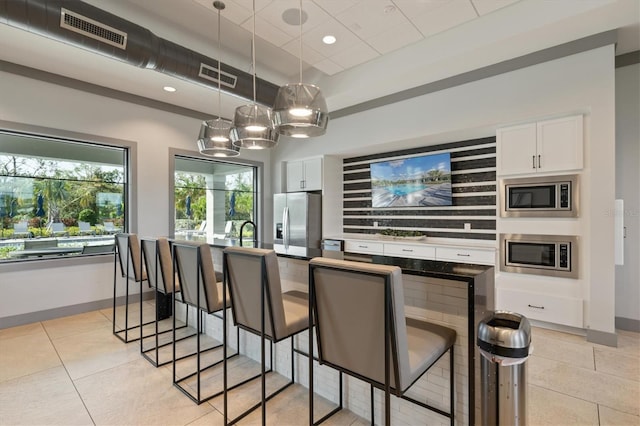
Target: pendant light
{"type": "Point", "coordinates": [253, 123]}
{"type": "Point", "coordinates": [214, 139]}
{"type": "Point", "coordinates": [300, 110]}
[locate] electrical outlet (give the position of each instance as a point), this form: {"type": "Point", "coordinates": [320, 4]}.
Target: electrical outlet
{"type": "Point", "coordinates": [375, 224]}
{"type": "Point", "coordinates": [467, 226]}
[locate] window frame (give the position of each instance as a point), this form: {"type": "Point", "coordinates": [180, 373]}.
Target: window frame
{"type": "Point", "coordinates": [130, 177]}
{"type": "Point", "coordinates": [259, 183]}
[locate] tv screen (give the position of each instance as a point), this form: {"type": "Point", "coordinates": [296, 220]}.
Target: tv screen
{"type": "Point", "coordinates": [412, 182]}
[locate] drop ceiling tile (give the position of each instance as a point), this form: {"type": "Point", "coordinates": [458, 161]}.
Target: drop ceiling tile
{"type": "Point", "coordinates": [273, 14]}
{"type": "Point", "coordinates": [447, 16]}
{"type": "Point", "coordinates": [237, 11]}
{"type": "Point", "coordinates": [412, 8]}
{"type": "Point", "coordinates": [486, 6]}
{"type": "Point", "coordinates": [344, 38]}
{"type": "Point", "coordinates": [333, 7]}
{"type": "Point", "coordinates": [328, 67]}
{"type": "Point", "coordinates": [394, 38]}
{"type": "Point", "coordinates": [267, 31]}
{"type": "Point", "coordinates": [309, 54]}
{"type": "Point", "coordinates": [355, 55]}
{"type": "Point", "coordinates": [369, 18]}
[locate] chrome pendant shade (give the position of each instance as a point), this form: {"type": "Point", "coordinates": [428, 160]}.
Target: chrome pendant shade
{"type": "Point", "coordinates": [214, 139]}
{"type": "Point", "coordinates": [253, 123]}
{"type": "Point", "coordinates": [253, 127]}
{"type": "Point", "coordinates": [300, 111]}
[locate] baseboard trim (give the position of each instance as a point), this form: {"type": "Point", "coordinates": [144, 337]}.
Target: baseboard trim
{"type": "Point", "coordinates": [602, 338]}
{"type": "Point", "coordinates": [65, 311]}
{"type": "Point", "coordinates": [628, 324]}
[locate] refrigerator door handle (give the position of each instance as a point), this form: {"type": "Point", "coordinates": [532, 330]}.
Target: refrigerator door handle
{"type": "Point", "coordinates": [285, 226]}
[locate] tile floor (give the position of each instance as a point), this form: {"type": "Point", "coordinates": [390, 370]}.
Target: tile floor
{"type": "Point", "coordinates": [74, 371]}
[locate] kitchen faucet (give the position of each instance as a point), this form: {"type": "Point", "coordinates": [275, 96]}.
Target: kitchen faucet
{"type": "Point", "coordinates": [255, 230]}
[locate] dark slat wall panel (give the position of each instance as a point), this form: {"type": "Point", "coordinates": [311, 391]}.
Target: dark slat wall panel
{"type": "Point", "coordinates": [473, 179]}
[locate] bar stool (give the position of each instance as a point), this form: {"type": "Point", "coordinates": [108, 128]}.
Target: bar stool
{"type": "Point", "coordinates": [156, 258]}
{"type": "Point", "coordinates": [260, 307]}
{"type": "Point", "coordinates": [358, 309]}
{"type": "Point", "coordinates": [199, 288]}
{"type": "Point", "coordinates": [128, 256]}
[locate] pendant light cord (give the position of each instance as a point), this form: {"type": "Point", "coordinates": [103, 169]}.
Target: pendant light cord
{"type": "Point", "coordinates": [219, 71]}
{"type": "Point", "coordinates": [253, 51]}
{"type": "Point", "coordinates": [300, 41]}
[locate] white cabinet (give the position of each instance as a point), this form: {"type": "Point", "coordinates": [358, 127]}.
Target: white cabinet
{"type": "Point", "coordinates": [367, 247]}
{"type": "Point", "coordinates": [412, 251]}
{"type": "Point", "coordinates": [543, 307]}
{"type": "Point", "coordinates": [545, 146]}
{"type": "Point", "coordinates": [466, 255]}
{"type": "Point", "coordinates": [304, 175]}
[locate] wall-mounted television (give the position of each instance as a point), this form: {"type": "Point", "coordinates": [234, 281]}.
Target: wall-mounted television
{"type": "Point", "coordinates": [422, 181]}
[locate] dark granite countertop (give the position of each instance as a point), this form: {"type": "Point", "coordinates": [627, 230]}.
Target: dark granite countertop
{"type": "Point", "coordinates": [429, 268]}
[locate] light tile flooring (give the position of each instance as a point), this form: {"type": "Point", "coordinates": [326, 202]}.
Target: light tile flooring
{"type": "Point", "coordinates": [74, 371]}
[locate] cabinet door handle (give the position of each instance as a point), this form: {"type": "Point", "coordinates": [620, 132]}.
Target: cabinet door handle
{"type": "Point", "coordinates": [533, 161]}
{"type": "Point", "coordinates": [408, 250]}
{"type": "Point", "coordinates": [535, 307]}
{"type": "Point", "coordinates": [463, 254]}
{"type": "Point", "coordinates": [539, 162]}
{"type": "Point", "coordinates": [301, 184]}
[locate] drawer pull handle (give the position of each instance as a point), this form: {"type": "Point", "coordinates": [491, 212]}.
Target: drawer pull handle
{"type": "Point", "coordinates": [363, 246]}
{"type": "Point", "coordinates": [463, 254]}
{"type": "Point", "coordinates": [536, 307]}
{"type": "Point", "coordinates": [409, 250]}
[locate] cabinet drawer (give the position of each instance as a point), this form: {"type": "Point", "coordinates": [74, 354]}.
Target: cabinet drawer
{"type": "Point", "coordinates": [464, 255]}
{"type": "Point", "coordinates": [363, 247]}
{"type": "Point", "coordinates": [411, 251]}
{"type": "Point", "coordinates": [543, 307]}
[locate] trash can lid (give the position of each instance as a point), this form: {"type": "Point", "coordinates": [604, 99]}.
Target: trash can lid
{"type": "Point", "coordinates": [505, 333]}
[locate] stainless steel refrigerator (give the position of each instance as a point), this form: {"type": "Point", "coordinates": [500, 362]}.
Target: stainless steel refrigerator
{"type": "Point", "coordinates": [297, 218]}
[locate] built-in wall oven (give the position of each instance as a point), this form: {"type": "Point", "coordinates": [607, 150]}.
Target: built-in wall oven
{"type": "Point", "coordinates": [553, 255]}
{"type": "Point", "coordinates": [539, 196]}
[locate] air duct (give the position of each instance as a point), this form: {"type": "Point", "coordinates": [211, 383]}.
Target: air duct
{"type": "Point", "coordinates": [87, 27]}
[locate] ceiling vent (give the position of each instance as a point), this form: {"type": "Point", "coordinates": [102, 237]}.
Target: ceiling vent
{"type": "Point", "coordinates": [81, 24]}
{"type": "Point", "coordinates": [211, 73]}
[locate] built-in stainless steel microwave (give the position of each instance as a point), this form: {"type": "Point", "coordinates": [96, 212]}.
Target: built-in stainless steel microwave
{"type": "Point", "coordinates": [553, 255]}
{"type": "Point", "coordinates": [545, 196]}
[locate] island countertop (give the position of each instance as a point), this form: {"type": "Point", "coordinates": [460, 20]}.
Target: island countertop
{"type": "Point", "coordinates": [431, 268]}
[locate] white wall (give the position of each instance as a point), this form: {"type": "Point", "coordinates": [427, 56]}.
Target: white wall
{"type": "Point", "coordinates": [628, 188]}
{"type": "Point", "coordinates": [42, 104]}
{"type": "Point", "coordinates": [577, 84]}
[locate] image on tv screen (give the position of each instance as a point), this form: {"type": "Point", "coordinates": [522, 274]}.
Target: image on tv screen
{"type": "Point", "coordinates": [418, 181]}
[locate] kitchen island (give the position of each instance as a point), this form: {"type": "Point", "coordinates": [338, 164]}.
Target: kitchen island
{"type": "Point", "coordinates": [453, 294]}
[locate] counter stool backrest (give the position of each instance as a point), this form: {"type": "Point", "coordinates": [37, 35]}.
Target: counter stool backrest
{"type": "Point", "coordinates": [349, 313]}
{"type": "Point", "coordinates": [128, 252]}
{"type": "Point", "coordinates": [248, 269]}
{"type": "Point", "coordinates": [194, 268]}
{"type": "Point", "coordinates": [156, 255]}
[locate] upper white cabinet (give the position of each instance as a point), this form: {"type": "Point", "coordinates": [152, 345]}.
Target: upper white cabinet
{"type": "Point", "coordinates": [304, 175]}
{"type": "Point", "coordinates": [545, 146]}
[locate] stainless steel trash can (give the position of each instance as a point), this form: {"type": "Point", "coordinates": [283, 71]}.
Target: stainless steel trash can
{"type": "Point", "coordinates": [504, 340]}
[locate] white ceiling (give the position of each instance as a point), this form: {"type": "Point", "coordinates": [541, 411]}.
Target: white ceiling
{"type": "Point", "coordinates": [384, 46]}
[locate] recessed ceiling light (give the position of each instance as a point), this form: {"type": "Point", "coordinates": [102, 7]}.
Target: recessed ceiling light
{"type": "Point", "coordinates": [169, 89]}
{"type": "Point", "coordinates": [328, 39]}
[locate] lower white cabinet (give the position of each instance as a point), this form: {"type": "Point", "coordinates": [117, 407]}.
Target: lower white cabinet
{"type": "Point", "coordinates": [412, 251]}
{"type": "Point", "coordinates": [542, 307]}
{"type": "Point", "coordinates": [465, 255]}
{"type": "Point", "coordinates": [367, 247]}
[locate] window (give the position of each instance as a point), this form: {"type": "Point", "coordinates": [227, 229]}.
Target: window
{"type": "Point", "coordinates": [58, 197]}
{"type": "Point", "coordinates": [213, 198]}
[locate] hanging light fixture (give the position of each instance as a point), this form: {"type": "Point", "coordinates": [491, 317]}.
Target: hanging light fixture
{"type": "Point", "coordinates": [214, 139]}
{"type": "Point", "coordinates": [300, 110]}
{"type": "Point", "coordinates": [253, 123]}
